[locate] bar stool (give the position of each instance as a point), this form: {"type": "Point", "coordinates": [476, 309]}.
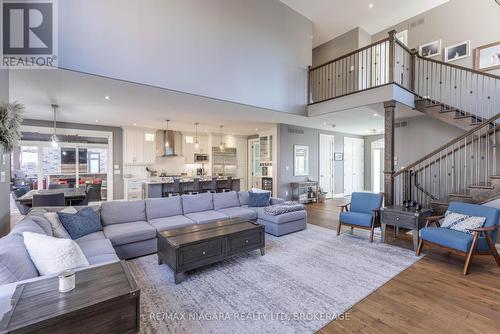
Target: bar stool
{"type": "Point", "coordinates": [229, 185]}
{"type": "Point", "coordinates": [176, 189]}
{"type": "Point", "coordinates": [213, 185]}
{"type": "Point", "coordinates": [195, 187]}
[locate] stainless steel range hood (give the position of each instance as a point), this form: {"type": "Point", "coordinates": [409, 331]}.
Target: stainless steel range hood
{"type": "Point", "coordinates": [174, 140]}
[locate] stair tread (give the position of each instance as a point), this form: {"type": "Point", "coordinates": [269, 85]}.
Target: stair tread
{"type": "Point", "coordinates": [494, 176]}
{"type": "Point", "coordinates": [465, 194]}
{"type": "Point", "coordinates": [481, 186]}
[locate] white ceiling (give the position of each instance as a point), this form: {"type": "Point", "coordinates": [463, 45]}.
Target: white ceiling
{"type": "Point", "coordinates": [81, 98]}
{"type": "Point", "coordinates": [332, 18]}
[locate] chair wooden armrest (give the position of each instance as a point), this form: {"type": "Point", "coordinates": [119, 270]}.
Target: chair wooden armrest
{"type": "Point", "coordinates": [433, 219]}
{"type": "Point", "coordinates": [343, 205]}
{"type": "Point", "coordinates": [484, 229]}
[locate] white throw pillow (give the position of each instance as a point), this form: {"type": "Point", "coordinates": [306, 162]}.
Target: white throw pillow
{"type": "Point", "coordinates": [460, 222]}
{"type": "Point", "coordinates": [53, 255]}
{"type": "Point", "coordinates": [58, 229]}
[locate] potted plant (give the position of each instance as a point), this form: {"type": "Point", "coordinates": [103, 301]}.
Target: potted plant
{"type": "Point", "coordinates": [10, 125]}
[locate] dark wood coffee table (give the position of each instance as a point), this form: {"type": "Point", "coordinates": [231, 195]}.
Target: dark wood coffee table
{"type": "Point", "coordinates": [195, 246]}
{"type": "Point", "coordinates": [105, 300]}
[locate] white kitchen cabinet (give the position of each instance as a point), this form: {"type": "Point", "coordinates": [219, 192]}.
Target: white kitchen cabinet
{"type": "Point", "coordinates": [139, 146]}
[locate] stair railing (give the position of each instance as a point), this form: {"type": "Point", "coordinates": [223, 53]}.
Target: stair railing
{"type": "Point", "coordinates": [464, 90]}
{"type": "Point", "coordinates": [466, 161]}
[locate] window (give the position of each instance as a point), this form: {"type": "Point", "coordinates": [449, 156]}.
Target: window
{"type": "Point", "coordinates": [189, 139]}
{"type": "Point", "coordinates": [149, 137]}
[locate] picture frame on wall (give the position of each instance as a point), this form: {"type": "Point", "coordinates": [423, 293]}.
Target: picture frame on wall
{"type": "Point", "coordinates": [457, 51]}
{"type": "Point", "coordinates": [431, 49]}
{"type": "Point", "coordinates": [338, 156]}
{"type": "Point", "coordinates": [300, 160]}
{"type": "Point", "coordinates": [487, 57]}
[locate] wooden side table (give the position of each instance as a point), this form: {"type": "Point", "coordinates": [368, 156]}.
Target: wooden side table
{"type": "Point", "coordinates": [105, 300]}
{"type": "Point", "coordinates": [399, 216]}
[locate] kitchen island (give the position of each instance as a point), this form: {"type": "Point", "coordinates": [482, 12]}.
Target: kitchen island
{"type": "Point", "coordinates": [155, 188]}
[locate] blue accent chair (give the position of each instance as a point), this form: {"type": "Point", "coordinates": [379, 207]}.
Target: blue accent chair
{"type": "Point", "coordinates": [364, 212]}
{"type": "Point", "coordinates": [480, 242]}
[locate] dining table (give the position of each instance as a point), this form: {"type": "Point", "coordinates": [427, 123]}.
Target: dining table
{"type": "Point", "coordinates": [70, 195]}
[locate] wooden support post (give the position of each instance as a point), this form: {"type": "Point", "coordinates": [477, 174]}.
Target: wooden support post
{"type": "Point", "coordinates": [392, 42]}
{"type": "Point", "coordinates": [413, 65]}
{"type": "Point", "coordinates": [390, 110]}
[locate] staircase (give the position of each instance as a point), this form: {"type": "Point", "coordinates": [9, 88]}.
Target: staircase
{"type": "Point", "coordinates": [465, 169]}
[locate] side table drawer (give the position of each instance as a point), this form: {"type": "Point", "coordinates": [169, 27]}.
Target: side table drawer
{"type": "Point", "coordinates": [398, 220]}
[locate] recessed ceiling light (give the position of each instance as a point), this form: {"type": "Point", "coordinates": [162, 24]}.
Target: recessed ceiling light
{"type": "Point", "coordinates": [375, 114]}
{"type": "Point", "coordinates": [97, 121]}
{"type": "Point", "coordinates": [135, 124]}
{"type": "Point", "coordinates": [324, 123]}
{"type": "Point", "coordinates": [256, 129]}
{"type": "Point", "coordinates": [107, 97]}
{"type": "Point", "coordinates": [370, 5]}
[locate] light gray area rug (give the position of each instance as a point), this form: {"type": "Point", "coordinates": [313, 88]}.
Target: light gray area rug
{"type": "Point", "coordinates": [304, 281]}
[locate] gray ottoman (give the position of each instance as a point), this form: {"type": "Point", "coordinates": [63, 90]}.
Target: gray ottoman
{"type": "Point", "coordinates": [283, 224]}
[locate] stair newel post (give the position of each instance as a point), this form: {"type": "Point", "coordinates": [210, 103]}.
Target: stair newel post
{"type": "Point", "coordinates": [392, 42]}
{"type": "Point", "coordinates": [389, 119]}
{"type": "Point", "coordinates": [413, 65]}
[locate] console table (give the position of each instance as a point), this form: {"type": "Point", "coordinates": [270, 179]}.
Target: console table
{"type": "Point", "coordinates": [409, 218]}
{"type": "Point", "coordinates": [105, 300]}
{"type": "Point", "coordinates": [305, 192]}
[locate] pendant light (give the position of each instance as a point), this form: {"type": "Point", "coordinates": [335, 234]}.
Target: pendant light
{"type": "Point", "coordinates": [53, 139]}
{"type": "Point", "coordinates": [221, 145]}
{"type": "Point", "coordinates": [167, 144]}
{"type": "Point", "coordinates": [196, 143]}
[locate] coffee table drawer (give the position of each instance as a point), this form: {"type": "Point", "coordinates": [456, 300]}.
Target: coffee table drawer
{"type": "Point", "coordinates": [202, 251]}
{"type": "Point", "coordinates": [398, 220]}
{"type": "Point", "coordinates": [245, 240]}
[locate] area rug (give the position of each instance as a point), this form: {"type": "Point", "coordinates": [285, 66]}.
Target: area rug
{"type": "Point", "coordinates": [304, 281]}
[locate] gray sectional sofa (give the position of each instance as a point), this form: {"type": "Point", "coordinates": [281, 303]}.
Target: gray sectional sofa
{"type": "Point", "coordinates": [130, 227]}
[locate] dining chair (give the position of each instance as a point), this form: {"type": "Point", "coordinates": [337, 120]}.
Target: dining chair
{"type": "Point", "coordinates": [480, 241]}
{"type": "Point", "coordinates": [193, 188]}
{"type": "Point", "coordinates": [213, 185]}
{"type": "Point", "coordinates": [56, 199]}
{"type": "Point", "coordinates": [23, 209]}
{"type": "Point", "coordinates": [175, 189]}
{"type": "Point", "coordinates": [58, 186]}
{"type": "Point", "coordinates": [92, 194]}
{"type": "Point", "coordinates": [229, 185]}
{"type": "Point", "coordinates": [362, 212]}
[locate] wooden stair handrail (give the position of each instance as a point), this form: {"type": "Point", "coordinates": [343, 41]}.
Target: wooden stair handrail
{"type": "Point", "coordinates": [454, 141]}
{"type": "Point", "coordinates": [460, 67]}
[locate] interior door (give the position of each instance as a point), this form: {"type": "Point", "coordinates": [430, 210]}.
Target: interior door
{"type": "Point", "coordinates": [377, 166]}
{"type": "Point", "coordinates": [326, 164]}
{"type": "Point", "coordinates": [354, 164]}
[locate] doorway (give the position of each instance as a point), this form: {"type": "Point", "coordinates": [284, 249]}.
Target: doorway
{"type": "Point", "coordinates": [377, 166]}
{"type": "Point", "coordinates": [354, 164]}
{"type": "Point", "coordinates": [254, 168]}
{"type": "Point", "coordinates": [326, 164]}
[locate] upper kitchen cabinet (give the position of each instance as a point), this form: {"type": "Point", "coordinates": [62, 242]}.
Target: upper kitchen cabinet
{"type": "Point", "coordinates": [266, 148]}
{"type": "Point", "coordinates": [188, 144]}
{"type": "Point", "coordinates": [138, 146]}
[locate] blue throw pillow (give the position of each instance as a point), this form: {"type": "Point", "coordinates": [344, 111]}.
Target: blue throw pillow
{"type": "Point", "coordinates": [258, 199]}
{"type": "Point", "coordinates": [83, 222]}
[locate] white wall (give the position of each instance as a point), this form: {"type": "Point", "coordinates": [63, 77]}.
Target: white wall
{"type": "Point", "coordinates": [253, 52]}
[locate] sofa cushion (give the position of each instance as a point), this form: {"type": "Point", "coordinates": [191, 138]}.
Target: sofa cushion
{"type": "Point", "coordinates": [259, 199]}
{"type": "Point", "coordinates": [243, 197]}
{"type": "Point", "coordinates": [197, 203]}
{"type": "Point", "coordinates": [239, 212]}
{"type": "Point", "coordinates": [451, 238]}
{"type": "Point", "coordinates": [206, 216]}
{"type": "Point", "coordinates": [92, 236]}
{"type": "Point", "coordinates": [126, 233]}
{"type": "Point", "coordinates": [170, 223]}
{"type": "Point", "coordinates": [103, 258]}
{"type": "Point", "coordinates": [93, 248]}
{"type": "Point", "coordinates": [163, 207]}
{"type": "Point", "coordinates": [226, 200]}
{"type": "Point", "coordinates": [356, 218]}
{"type": "Point", "coordinates": [83, 222]}
{"type": "Point", "coordinates": [26, 225]}
{"type": "Point", "coordinates": [116, 212]}
{"type": "Point", "coordinates": [38, 216]}
{"type": "Point", "coordinates": [53, 255]}
{"type": "Point", "coordinates": [15, 262]}
{"type": "Point", "coordinates": [284, 218]}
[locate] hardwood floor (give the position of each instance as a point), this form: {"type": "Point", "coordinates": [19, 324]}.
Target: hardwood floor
{"type": "Point", "coordinates": [431, 296]}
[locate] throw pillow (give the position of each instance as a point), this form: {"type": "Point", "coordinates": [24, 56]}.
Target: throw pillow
{"type": "Point", "coordinates": [84, 222]}
{"type": "Point", "coordinates": [53, 255]}
{"type": "Point", "coordinates": [460, 222]}
{"type": "Point", "coordinates": [58, 229]}
{"type": "Point", "coordinates": [258, 199]}
{"type": "Point", "coordinates": [258, 190]}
